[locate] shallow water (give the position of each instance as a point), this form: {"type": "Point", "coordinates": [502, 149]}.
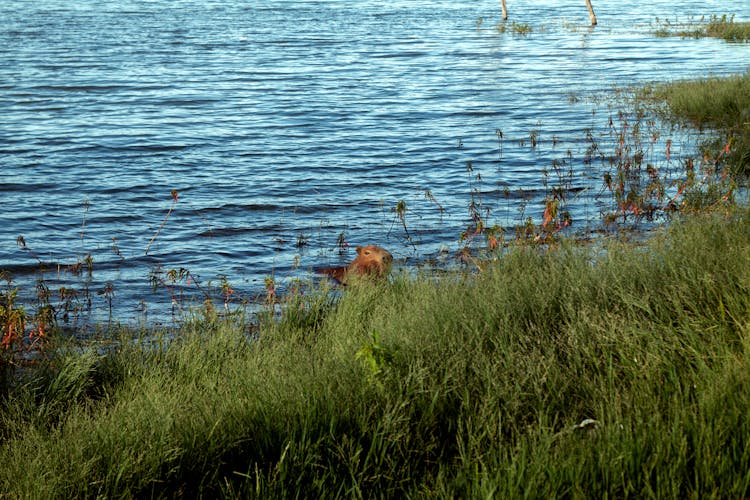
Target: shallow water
{"type": "Point", "coordinates": [287, 122]}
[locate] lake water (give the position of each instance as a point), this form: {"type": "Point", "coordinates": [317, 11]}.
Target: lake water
{"type": "Point", "coordinates": [287, 125]}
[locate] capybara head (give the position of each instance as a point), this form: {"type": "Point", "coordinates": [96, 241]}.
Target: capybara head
{"type": "Point", "coordinates": [371, 260]}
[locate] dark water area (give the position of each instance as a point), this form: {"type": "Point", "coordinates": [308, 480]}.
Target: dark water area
{"type": "Point", "coordinates": [285, 126]}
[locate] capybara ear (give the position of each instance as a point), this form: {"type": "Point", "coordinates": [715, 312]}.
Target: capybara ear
{"type": "Point", "coordinates": [359, 250]}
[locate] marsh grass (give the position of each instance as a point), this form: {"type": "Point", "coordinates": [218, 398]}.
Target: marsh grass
{"type": "Point", "coordinates": [516, 28]}
{"type": "Point", "coordinates": [723, 27]}
{"type": "Point", "coordinates": [719, 105]}
{"type": "Point", "coordinates": [576, 371]}
{"type": "Point", "coordinates": [728, 29]}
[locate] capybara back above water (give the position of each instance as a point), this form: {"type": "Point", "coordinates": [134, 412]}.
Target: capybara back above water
{"type": "Point", "coordinates": [371, 260]}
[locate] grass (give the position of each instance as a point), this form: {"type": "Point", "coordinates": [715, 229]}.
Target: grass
{"type": "Point", "coordinates": [516, 28]}
{"type": "Point", "coordinates": [721, 105]}
{"type": "Point", "coordinates": [717, 27]}
{"type": "Point", "coordinates": [471, 386]}
{"type": "Point", "coordinates": [728, 29]}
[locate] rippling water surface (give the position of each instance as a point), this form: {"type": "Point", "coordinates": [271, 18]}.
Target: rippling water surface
{"type": "Point", "coordinates": [281, 122]}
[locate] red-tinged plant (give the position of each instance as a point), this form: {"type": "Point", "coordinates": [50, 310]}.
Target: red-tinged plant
{"type": "Point", "coordinates": [495, 237]}
{"type": "Point", "coordinates": [169, 280]}
{"type": "Point", "coordinates": [21, 242]}
{"type": "Point", "coordinates": [227, 292]}
{"type": "Point", "coordinates": [13, 321]}
{"type": "Point", "coordinates": [428, 194]}
{"type": "Point", "coordinates": [550, 214]}
{"type": "Point", "coordinates": [270, 284]}
{"type": "Point", "coordinates": [108, 291]}
{"type": "Point", "coordinates": [465, 256]}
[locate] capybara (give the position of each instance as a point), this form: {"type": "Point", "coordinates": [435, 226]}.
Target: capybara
{"type": "Point", "coordinates": [371, 260]}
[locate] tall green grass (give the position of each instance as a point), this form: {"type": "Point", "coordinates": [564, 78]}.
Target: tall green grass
{"type": "Point", "coordinates": [466, 386]}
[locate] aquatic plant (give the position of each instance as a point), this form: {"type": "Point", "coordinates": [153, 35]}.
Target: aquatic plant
{"type": "Point", "coordinates": [723, 27]}
{"type": "Point", "coordinates": [400, 213]}
{"type": "Point", "coordinates": [428, 194]}
{"type": "Point", "coordinates": [519, 28]}
{"type": "Point", "coordinates": [479, 214]}
{"type": "Point", "coordinates": [175, 196]}
{"type": "Point", "coordinates": [719, 105]}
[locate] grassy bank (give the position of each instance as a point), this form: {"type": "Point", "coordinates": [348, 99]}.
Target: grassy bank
{"type": "Point", "coordinates": [572, 372]}
{"type": "Point", "coordinates": [720, 105]}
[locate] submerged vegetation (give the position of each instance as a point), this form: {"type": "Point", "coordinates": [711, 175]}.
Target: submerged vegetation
{"type": "Point", "coordinates": [552, 369]}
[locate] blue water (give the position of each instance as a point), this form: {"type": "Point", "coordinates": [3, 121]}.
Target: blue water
{"type": "Point", "coordinates": [282, 124]}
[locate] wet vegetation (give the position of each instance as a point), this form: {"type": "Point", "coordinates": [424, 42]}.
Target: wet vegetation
{"type": "Point", "coordinates": [547, 366]}
{"type": "Point", "coordinates": [718, 105]}
{"type": "Point", "coordinates": [723, 27]}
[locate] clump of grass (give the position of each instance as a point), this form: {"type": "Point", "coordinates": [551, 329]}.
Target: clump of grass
{"type": "Point", "coordinates": [728, 29]}
{"type": "Point", "coordinates": [616, 371]}
{"type": "Point", "coordinates": [723, 27]}
{"type": "Point", "coordinates": [718, 104]}
{"type": "Point", "coordinates": [521, 29]}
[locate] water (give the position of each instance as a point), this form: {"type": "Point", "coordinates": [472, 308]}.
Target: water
{"type": "Point", "coordinates": [282, 122]}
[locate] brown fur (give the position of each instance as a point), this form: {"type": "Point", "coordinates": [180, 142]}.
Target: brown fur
{"type": "Point", "coordinates": [371, 260]}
